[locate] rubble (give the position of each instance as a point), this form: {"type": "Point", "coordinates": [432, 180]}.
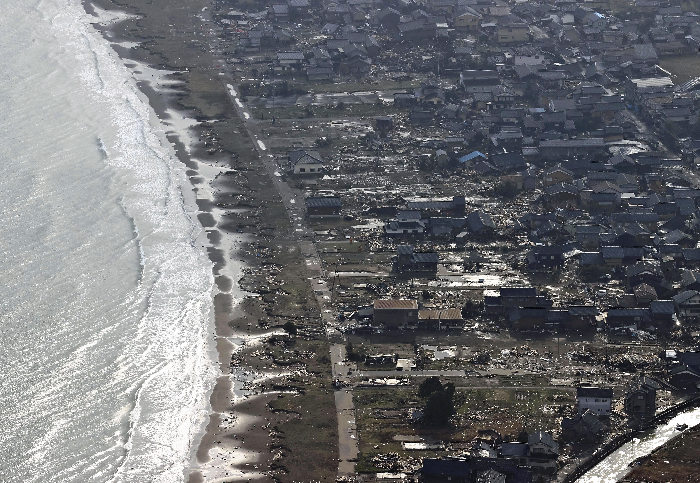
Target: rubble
{"type": "Point", "coordinates": [524, 176]}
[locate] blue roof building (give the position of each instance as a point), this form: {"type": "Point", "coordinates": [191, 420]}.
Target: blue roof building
{"type": "Point", "coordinates": [471, 156]}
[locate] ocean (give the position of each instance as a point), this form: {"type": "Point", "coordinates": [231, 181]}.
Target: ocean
{"type": "Point", "coordinates": [107, 352]}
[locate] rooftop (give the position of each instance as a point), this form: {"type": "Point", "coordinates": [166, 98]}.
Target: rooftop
{"type": "Point", "coordinates": [392, 304]}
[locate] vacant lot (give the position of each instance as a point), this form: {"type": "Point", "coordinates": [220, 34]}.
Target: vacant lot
{"type": "Point", "coordinates": [676, 461]}
{"type": "Point", "coordinates": [683, 67]}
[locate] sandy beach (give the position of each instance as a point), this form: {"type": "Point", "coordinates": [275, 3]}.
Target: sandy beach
{"type": "Point", "coordinates": [247, 228]}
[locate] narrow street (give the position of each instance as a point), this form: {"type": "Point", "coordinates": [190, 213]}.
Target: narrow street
{"type": "Point", "coordinates": [294, 204]}
{"type": "Point", "coordinates": [347, 427]}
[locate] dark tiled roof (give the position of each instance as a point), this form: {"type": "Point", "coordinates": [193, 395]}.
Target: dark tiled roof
{"type": "Point", "coordinates": [684, 296]}
{"type": "Point", "coordinates": [573, 143]}
{"type": "Point", "coordinates": [612, 252]}
{"type": "Point", "coordinates": [595, 392]}
{"type": "Point", "coordinates": [582, 310]}
{"type": "Point", "coordinates": [592, 258]}
{"type": "Point", "coordinates": [588, 229]}
{"type": "Point", "coordinates": [634, 217]}
{"type": "Point", "coordinates": [686, 206]}
{"type": "Point", "coordinates": [290, 55]}
{"type": "Point", "coordinates": [326, 201]}
{"type": "Point", "coordinates": [545, 438]}
{"type": "Point", "coordinates": [404, 249]}
{"type": "Point", "coordinates": [446, 467]}
{"type": "Point", "coordinates": [643, 314]}
{"type": "Point", "coordinates": [311, 156]}
{"type": "Point", "coordinates": [430, 257]}
{"type": "Point", "coordinates": [518, 292]}
{"type": "Point", "coordinates": [514, 449]}
{"type": "Point", "coordinates": [665, 307]}
{"type": "Point", "coordinates": [691, 359]}
{"type": "Point", "coordinates": [430, 205]}
{"type": "Point", "coordinates": [408, 215]}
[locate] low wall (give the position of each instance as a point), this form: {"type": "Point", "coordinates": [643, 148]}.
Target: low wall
{"type": "Point", "coordinates": [621, 439]}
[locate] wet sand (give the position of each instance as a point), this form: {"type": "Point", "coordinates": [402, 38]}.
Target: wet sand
{"type": "Point", "coordinates": [236, 443]}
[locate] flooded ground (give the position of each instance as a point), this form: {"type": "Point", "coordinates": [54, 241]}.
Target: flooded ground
{"type": "Point", "coordinates": [616, 466]}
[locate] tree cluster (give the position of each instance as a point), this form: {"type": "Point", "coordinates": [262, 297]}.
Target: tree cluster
{"type": "Point", "coordinates": [439, 405]}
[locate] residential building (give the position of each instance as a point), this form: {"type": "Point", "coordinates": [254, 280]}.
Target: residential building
{"type": "Point", "coordinates": [394, 314]}
{"type": "Point", "coordinates": [323, 206]}
{"type": "Point", "coordinates": [513, 33]}
{"type": "Point", "coordinates": [640, 401]}
{"type": "Point", "coordinates": [596, 399]}
{"type": "Point", "coordinates": [305, 162]}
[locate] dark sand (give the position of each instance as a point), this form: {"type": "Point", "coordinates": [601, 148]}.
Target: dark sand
{"type": "Point", "coordinates": [242, 436]}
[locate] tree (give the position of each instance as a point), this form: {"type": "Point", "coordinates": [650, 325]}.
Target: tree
{"type": "Point", "coordinates": [349, 351]}
{"type": "Point", "coordinates": [290, 328]}
{"type": "Point", "coordinates": [351, 354]}
{"type": "Point", "coordinates": [322, 142]}
{"type": "Point", "coordinates": [472, 308]}
{"type": "Point", "coordinates": [439, 408]}
{"type": "Point", "coordinates": [430, 386]}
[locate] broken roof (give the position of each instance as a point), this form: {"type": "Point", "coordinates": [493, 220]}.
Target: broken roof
{"type": "Point", "coordinates": [440, 314]}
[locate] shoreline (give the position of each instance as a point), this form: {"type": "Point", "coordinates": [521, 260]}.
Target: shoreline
{"type": "Point", "coordinates": [181, 143]}
{"type": "Point", "coordinates": [234, 440]}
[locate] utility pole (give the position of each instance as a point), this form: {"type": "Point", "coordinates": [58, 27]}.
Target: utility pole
{"type": "Point", "coordinates": [335, 274]}
{"type": "Point", "coordinates": [605, 333]}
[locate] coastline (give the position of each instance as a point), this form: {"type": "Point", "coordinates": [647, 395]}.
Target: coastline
{"type": "Point", "coordinates": [250, 420]}
{"type": "Point", "coordinates": [240, 437]}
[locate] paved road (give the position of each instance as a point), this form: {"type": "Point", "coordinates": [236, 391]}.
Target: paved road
{"type": "Point", "coordinates": [294, 204]}
{"type": "Point", "coordinates": [347, 428]}
{"type": "Point", "coordinates": [426, 373]}
{"type": "Point", "coordinates": [358, 274]}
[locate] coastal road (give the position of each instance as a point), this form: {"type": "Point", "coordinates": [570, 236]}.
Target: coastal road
{"type": "Point", "coordinates": [426, 373]}
{"type": "Point", "coordinates": [295, 206]}
{"type": "Point", "coordinates": [347, 432]}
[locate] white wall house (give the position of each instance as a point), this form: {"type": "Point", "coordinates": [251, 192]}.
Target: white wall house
{"type": "Point", "coordinates": [597, 399]}
{"type": "Point", "coordinates": [305, 162]}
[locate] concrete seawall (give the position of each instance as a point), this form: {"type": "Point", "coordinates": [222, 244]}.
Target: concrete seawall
{"type": "Point", "coordinates": [618, 441]}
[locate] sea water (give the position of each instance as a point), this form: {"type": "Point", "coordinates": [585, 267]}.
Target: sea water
{"type": "Point", "coordinates": [105, 298]}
